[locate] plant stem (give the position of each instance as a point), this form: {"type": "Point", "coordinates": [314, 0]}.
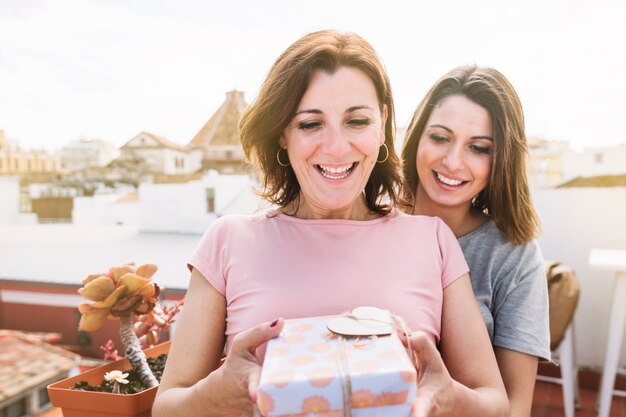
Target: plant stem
{"type": "Point", "coordinates": [134, 354]}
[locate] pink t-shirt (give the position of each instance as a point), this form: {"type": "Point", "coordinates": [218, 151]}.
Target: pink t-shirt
{"type": "Point", "coordinates": [272, 265]}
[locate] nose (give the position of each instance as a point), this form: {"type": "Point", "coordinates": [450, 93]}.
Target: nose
{"type": "Point", "coordinates": [454, 158]}
{"type": "Point", "coordinates": [335, 142]}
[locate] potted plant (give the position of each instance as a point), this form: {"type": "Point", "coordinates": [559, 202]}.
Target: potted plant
{"type": "Point", "coordinates": [124, 293]}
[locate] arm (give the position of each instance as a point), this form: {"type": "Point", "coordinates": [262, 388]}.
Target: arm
{"type": "Point", "coordinates": [521, 325]}
{"type": "Point", "coordinates": [192, 383]}
{"type": "Point", "coordinates": [471, 384]}
{"type": "Point", "coordinates": [519, 372]}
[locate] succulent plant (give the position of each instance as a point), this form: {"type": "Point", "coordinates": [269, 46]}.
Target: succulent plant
{"type": "Point", "coordinates": [123, 292]}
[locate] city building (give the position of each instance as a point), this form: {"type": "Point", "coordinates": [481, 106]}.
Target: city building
{"type": "Point", "coordinates": [554, 163]}
{"type": "Point", "coordinates": [16, 161]}
{"type": "Point", "coordinates": [219, 138]}
{"type": "Point", "coordinates": [545, 162]}
{"type": "Point", "coordinates": [27, 365]}
{"type": "Point", "coordinates": [85, 153]}
{"type": "Point", "coordinates": [10, 197]}
{"type": "Point", "coordinates": [595, 161]}
{"type": "Point", "coordinates": [186, 207]}
{"type": "Point", "coordinates": [157, 155]}
{"type": "Point", "coordinates": [191, 207]}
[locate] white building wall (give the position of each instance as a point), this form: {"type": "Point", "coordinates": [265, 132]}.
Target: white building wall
{"type": "Point", "coordinates": [126, 213]}
{"type": "Point", "coordinates": [10, 199]}
{"type": "Point", "coordinates": [574, 221]}
{"type": "Point", "coordinates": [182, 208]}
{"type": "Point", "coordinates": [225, 152]}
{"type": "Point", "coordinates": [163, 160]}
{"type": "Point", "coordinates": [105, 209]}
{"type": "Point", "coordinates": [193, 161]}
{"type": "Point", "coordinates": [155, 158]}
{"type": "Point", "coordinates": [610, 160]}
{"type": "Point", "coordinates": [170, 156]}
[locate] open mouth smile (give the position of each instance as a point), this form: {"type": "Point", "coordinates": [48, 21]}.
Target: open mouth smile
{"type": "Point", "coordinates": [336, 172]}
{"type": "Point", "coordinates": [449, 181]}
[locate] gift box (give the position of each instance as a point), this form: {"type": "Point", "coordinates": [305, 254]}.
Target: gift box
{"type": "Point", "coordinates": [310, 371]}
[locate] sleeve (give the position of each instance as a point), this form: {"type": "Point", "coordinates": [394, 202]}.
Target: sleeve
{"type": "Point", "coordinates": [210, 255]}
{"type": "Point", "coordinates": [521, 317]}
{"type": "Point", "coordinates": [453, 264]}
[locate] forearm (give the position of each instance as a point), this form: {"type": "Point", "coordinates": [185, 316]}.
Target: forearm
{"type": "Point", "coordinates": [479, 402]}
{"type": "Point", "coordinates": [519, 371]}
{"type": "Point", "coordinates": [201, 399]}
{"type": "Point", "coordinates": [520, 408]}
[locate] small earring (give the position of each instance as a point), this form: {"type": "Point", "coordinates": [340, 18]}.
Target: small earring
{"type": "Point", "coordinates": [278, 158]}
{"type": "Point", "coordinates": [386, 154]}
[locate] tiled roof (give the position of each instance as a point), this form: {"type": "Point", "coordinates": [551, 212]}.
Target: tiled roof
{"type": "Point", "coordinates": [26, 362]}
{"type": "Point", "coordinates": [223, 127]}
{"type": "Point", "coordinates": [599, 181]}
{"type": "Point", "coordinates": [160, 140]}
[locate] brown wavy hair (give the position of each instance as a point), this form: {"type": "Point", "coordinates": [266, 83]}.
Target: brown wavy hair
{"type": "Point", "coordinates": [507, 197]}
{"type": "Point", "coordinates": [264, 121]}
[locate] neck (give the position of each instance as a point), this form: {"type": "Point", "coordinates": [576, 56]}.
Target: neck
{"type": "Point", "coordinates": [461, 219]}
{"type": "Point", "coordinates": [301, 209]}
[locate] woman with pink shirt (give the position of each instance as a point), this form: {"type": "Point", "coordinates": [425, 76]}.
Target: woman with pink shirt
{"type": "Point", "coordinates": [321, 134]}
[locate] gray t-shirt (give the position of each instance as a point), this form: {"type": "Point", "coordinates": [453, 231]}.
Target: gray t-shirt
{"type": "Point", "coordinates": [509, 283]}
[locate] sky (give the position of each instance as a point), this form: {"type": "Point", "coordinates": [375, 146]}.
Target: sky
{"type": "Point", "coordinates": [72, 69]}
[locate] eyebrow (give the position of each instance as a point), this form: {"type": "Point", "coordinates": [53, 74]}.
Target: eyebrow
{"type": "Point", "coordinates": [451, 131]}
{"type": "Point", "coordinates": [314, 111]}
{"type": "Point", "coordinates": [349, 110]}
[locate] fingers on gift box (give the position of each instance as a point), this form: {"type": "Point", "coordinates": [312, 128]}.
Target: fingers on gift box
{"type": "Point", "coordinates": [309, 370]}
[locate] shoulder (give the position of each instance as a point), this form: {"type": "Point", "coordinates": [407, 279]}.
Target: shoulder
{"type": "Point", "coordinates": [489, 239]}
{"type": "Point", "coordinates": [422, 227]}
{"type": "Point", "coordinates": [487, 232]}
{"type": "Point", "coordinates": [236, 223]}
{"type": "Point", "coordinates": [487, 245]}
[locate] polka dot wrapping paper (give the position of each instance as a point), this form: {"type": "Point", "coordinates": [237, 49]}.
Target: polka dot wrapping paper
{"type": "Point", "coordinates": [309, 371]}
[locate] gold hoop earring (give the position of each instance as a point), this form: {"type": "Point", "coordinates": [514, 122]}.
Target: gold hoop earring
{"type": "Point", "coordinates": [278, 158]}
{"type": "Point", "coordinates": [386, 155]}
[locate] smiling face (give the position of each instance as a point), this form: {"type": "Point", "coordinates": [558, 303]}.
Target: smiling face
{"type": "Point", "coordinates": [333, 143]}
{"type": "Point", "coordinates": [454, 155]}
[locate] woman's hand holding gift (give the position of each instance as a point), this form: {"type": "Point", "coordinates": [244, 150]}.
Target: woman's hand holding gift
{"type": "Point", "coordinates": [239, 375]}
{"type": "Point", "coordinates": [435, 386]}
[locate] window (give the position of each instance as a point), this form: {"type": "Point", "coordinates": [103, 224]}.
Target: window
{"type": "Point", "coordinates": [210, 200]}
{"type": "Point", "coordinates": [26, 205]}
{"type": "Point", "coordinates": [16, 409]}
{"type": "Point", "coordinates": [598, 158]}
{"type": "Point", "coordinates": [43, 397]}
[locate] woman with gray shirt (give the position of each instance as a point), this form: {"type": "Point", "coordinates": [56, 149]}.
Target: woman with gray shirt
{"type": "Point", "coordinates": [464, 159]}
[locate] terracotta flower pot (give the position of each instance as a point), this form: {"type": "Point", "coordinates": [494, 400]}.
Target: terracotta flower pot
{"type": "Point", "coordinates": [77, 403]}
